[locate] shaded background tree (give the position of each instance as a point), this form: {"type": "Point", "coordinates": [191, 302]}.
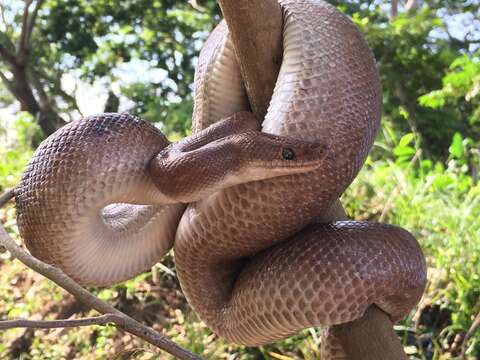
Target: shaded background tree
{"type": "Point", "coordinates": [92, 40]}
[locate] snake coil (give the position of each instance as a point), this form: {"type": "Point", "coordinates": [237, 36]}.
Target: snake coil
{"type": "Point", "coordinates": [106, 197]}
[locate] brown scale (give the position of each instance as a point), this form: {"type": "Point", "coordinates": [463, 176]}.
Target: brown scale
{"type": "Point", "coordinates": [327, 91]}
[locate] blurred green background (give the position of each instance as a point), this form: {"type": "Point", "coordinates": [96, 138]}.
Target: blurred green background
{"type": "Point", "coordinates": [81, 57]}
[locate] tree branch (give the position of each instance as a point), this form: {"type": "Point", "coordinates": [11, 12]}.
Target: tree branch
{"type": "Point", "coordinates": [4, 78]}
{"type": "Point", "coordinates": [22, 40]}
{"type": "Point", "coordinates": [475, 325]}
{"type": "Point", "coordinates": [256, 30]}
{"type": "Point", "coordinates": [370, 337]}
{"type": "Point", "coordinates": [122, 320]}
{"type": "Point", "coordinates": [56, 87]}
{"type": "Point", "coordinates": [67, 323]}
{"type": "Point", "coordinates": [7, 56]}
{"type": "Point", "coordinates": [28, 22]}
{"type": "Point", "coordinates": [53, 83]}
{"type": "Point", "coordinates": [6, 197]}
{"type": "Point", "coordinates": [42, 96]}
{"type": "Point", "coordinates": [2, 16]}
{"type": "Point", "coordinates": [393, 9]}
{"type": "Point", "coordinates": [31, 21]}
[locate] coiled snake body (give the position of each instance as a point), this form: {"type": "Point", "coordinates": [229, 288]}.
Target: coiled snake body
{"type": "Point", "coordinates": [239, 205]}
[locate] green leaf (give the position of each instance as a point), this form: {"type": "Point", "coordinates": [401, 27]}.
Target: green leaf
{"type": "Point", "coordinates": [456, 149]}
{"type": "Point", "coordinates": [403, 151]}
{"type": "Point", "coordinates": [403, 112]}
{"type": "Point", "coordinates": [406, 139]}
{"type": "Point", "coordinates": [434, 99]}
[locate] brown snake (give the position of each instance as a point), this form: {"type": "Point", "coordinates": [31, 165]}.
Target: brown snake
{"type": "Point", "coordinates": [240, 206]}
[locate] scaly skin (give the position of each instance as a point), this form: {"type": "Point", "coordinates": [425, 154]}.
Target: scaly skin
{"type": "Point", "coordinates": [74, 201]}
{"type": "Point", "coordinates": [72, 176]}
{"type": "Point", "coordinates": [327, 91]}
{"type": "Point", "coordinates": [249, 257]}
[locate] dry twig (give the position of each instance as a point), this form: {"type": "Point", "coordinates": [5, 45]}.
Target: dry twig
{"type": "Point", "coordinates": [475, 325]}
{"type": "Point", "coordinates": [53, 324]}
{"type": "Point", "coordinates": [6, 197]}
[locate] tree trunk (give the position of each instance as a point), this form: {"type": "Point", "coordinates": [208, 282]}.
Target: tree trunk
{"type": "Point", "coordinates": [24, 83]}
{"type": "Point", "coordinates": [49, 121]}
{"type": "Point", "coordinates": [256, 30]}
{"type": "Point", "coordinates": [393, 9]}
{"type": "Point", "coordinates": [22, 91]}
{"type": "Point", "coordinates": [27, 89]}
{"type": "Point", "coordinates": [20, 87]}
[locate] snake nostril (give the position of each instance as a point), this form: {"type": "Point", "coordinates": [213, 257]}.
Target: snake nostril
{"type": "Point", "coordinates": [287, 153]}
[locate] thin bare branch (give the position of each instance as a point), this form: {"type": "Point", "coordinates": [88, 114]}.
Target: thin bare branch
{"type": "Point", "coordinates": [31, 20]}
{"type": "Point", "coordinates": [6, 197]}
{"type": "Point", "coordinates": [475, 325]}
{"type": "Point", "coordinates": [124, 322]}
{"type": "Point", "coordinates": [28, 22]}
{"type": "Point", "coordinates": [54, 324]}
{"type": "Point", "coordinates": [22, 40]}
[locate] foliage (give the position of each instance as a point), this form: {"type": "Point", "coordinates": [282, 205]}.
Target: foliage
{"type": "Point", "coordinates": [130, 31]}
{"type": "Point", "coordinates": [414, 51]}
{"type": "Point", "coordinates": [440, 205]}
{"type": "Point", "coordinates": [461, 90]}
{"type": "Point", "coordinates": [93, 41]}
{"type": "Point", "coordinates": [15, 154]}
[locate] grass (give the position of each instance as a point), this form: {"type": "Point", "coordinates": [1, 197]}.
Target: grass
{"type": "Point", "coordinates": [438, 203]}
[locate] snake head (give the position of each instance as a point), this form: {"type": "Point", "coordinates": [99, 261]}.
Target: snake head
{"type": "Point", "coordinates": [264, 156]}
{"type": "Point", "coordinates": [187, 174]}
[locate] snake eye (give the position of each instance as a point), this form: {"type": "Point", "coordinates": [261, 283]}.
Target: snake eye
{"type": "Point", "coordinates": [288, 154]}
